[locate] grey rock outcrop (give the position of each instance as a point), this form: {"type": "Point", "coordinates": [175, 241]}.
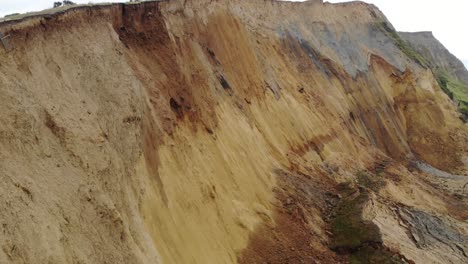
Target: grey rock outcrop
{"type": "Point", "coordinates": [439, 57]}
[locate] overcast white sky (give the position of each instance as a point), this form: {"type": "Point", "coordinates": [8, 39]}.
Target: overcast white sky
{"type": "Point", "coordinates": [447, 19]}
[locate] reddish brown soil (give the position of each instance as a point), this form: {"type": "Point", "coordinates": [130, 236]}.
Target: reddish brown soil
{"type": "Point", "coordinates": [290, 239]}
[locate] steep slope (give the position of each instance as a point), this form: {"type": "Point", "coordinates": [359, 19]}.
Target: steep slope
{"type": "Point", "coordinates": [450, 71]}
{"type": "Point", "coordinates": [437, 54]}
{"type": "Point", "coordinates": [222, 132]}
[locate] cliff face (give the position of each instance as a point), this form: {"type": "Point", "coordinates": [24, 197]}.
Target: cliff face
{"type": "Point", "coordinates": [437, 54]}
{"type": "Point", "coordinates": [451, 73]}
{"type": "Point", "coordinates": [222, 132]}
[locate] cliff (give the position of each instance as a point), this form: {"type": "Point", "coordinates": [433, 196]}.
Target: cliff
{"type": "Point", "coordinates": [449, 70]}
{"type": "Point", "coordinates": [225, 131]}
{"type": "Point", "coordinates": [426, 44]}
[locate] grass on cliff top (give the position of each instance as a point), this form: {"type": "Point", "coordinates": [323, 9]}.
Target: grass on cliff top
{"type": "Point", "coordinates": [455, 89]}
{"type": "Point", "coordinates": [402, 44]}
{"type": "Point", "coordinates": [450, 85]}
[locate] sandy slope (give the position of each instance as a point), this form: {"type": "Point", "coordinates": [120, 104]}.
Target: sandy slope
{"type": "Point", "coordinates": [216, 132]}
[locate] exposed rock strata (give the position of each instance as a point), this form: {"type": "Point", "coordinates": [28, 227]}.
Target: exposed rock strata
{"type": "Point", "coordinates": [218, 132]}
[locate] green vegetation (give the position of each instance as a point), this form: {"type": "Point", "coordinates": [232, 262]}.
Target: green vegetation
{"type": "Point", "coordinates": [350, 231]}
{"type": "Point", "coordinates": [454, 89]}
{"type": "Point", "coordinates": [371, 255]}
{"type": "Point", "coordinates": [12, 15]}
{"type": "Point", "coordinates": [402, 44]}
{"type": "Point", "coordinates": [451, 86]}
{"type": "Point", "coordinates": [354, 236]}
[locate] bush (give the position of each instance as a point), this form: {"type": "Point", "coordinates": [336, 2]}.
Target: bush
{"type": "Point", "coordinates": [67, 2]}
{"type": "Point", "coordinates": [63, 3]}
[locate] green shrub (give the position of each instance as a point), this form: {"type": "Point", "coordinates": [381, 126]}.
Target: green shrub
{"type": "Point", "coordinates": [360, 239]}
{"type": "Point", "coordinates": [349, 230]}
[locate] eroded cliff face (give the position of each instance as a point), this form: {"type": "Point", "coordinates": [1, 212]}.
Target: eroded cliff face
{"type": "Point", "coordinates": [222, 132]}
{"type": "Point", "coordinates": [437, 54]}
{"type": "Point", "coordinates": [450, 72]}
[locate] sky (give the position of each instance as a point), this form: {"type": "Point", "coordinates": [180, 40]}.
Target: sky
{"type": "Point", "coordinates": [23, 6]}
{"type": "Point", "coordinates": [447, 19]}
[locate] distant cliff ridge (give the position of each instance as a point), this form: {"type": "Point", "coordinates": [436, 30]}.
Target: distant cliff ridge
{"type": "Point", "coordinates": [448, 69]}
{"type": "Point", "coordinates": [437, 54]}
